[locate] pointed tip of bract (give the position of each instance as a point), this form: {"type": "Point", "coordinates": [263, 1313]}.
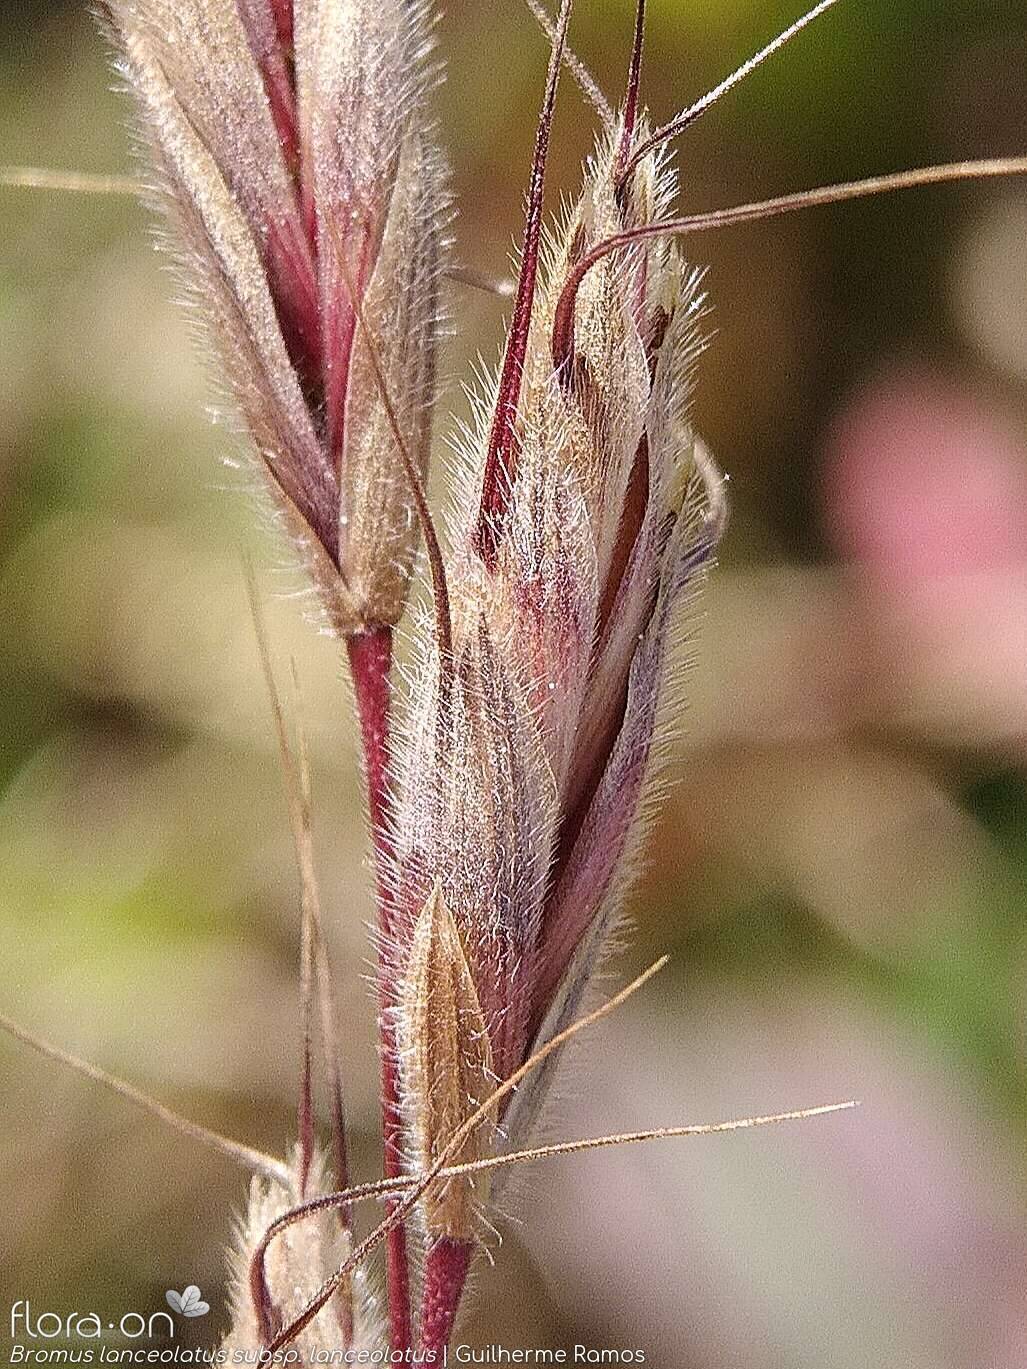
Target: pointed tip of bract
{"type": "Point", "coordinates": [446, 1062]}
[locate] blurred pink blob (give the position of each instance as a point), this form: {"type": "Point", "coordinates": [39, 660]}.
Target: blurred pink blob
{"type": "Point", "coordinates": [922, 479]}
{"type": "Point", "coordinates": [925, 490]}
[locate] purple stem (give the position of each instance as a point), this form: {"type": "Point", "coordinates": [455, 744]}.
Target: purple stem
{"type": "Point", "coordinates": [445, 1273]}
{"type": "Point", "coordinates": [370, 659]}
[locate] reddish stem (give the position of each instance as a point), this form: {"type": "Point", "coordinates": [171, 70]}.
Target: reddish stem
{"type": "Point", "coordinates": [282, 11]}
{"type": "Point", "coordinates": [445, 1273]}
{"type": "Point", "coordinates": [370, 659]}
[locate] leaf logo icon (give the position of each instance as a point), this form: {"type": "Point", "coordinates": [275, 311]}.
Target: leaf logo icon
{"type": "Point", "coordinates": [188, 1303]}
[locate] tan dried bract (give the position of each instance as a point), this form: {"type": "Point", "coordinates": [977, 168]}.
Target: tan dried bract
{"type": "Point", "coordinates": [447, 1065]}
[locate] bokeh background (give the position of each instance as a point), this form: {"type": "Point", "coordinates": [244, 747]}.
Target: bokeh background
{"type": "Point", "coordinates": [841, 872]}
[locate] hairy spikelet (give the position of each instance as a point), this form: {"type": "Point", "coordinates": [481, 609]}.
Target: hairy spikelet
{"type": "Point", "coordinates": [296, 164]}
{"type": "Point", "coordinates": [298, 1262]}
{"type": "Point", "coordinates": [623, 396]}
{"type": "Point", "coordinates": [477, 813]}
{"type": "Point", "coordinates": [533, 748]}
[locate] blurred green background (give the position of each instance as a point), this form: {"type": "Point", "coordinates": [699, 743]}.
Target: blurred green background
{"type": "Point", "coordinates": [841, 871]}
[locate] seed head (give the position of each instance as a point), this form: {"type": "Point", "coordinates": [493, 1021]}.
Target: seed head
{"type": "Point", "coordinates": [301, 1257]}
{"type": "Point", "coordinates": [295, 160]}
{"type": "Point", "coordinates": [593, 512]}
